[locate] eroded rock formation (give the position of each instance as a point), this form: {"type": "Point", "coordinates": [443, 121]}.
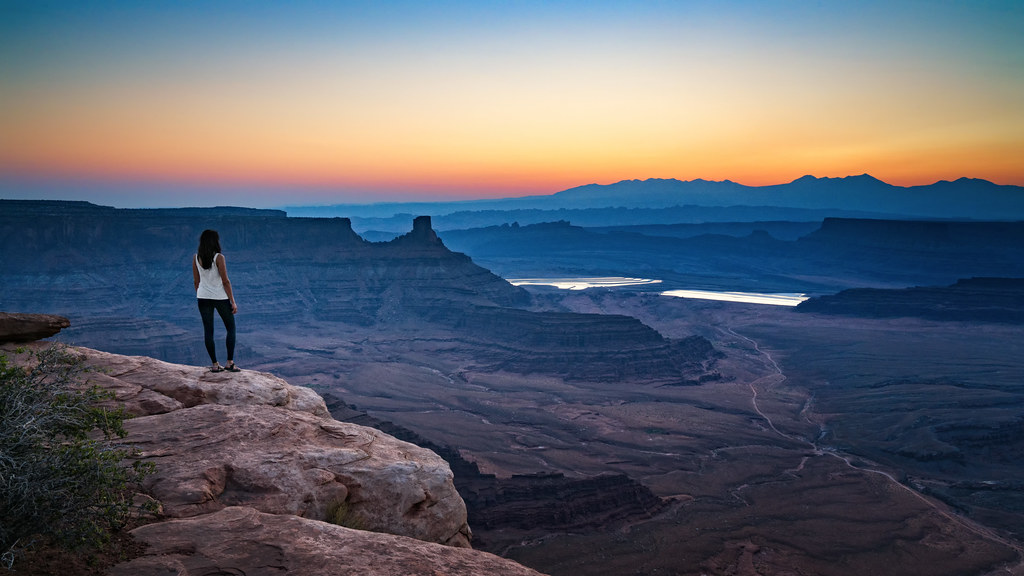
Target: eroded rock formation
{"type": "Point", "coordinates": [250, 438]}
{"type": "Point", "coordinates": [284, 462]}
{"type": "Point", "coordinates": [968, 300]}
{"type": "Point", "coordinates": [241, 540]}
{"type": "Point", "coordinates": [146, 386]}
{"type": "Point", "coordinates": [15, 327]}
{"type": "Point", "coordinates": [135, 265]}
{"type": "Point", "coordinates": [123, 276]}
{"type": "Point", "coordinates": [529, 501]}
{"type": "Point", "coordinates": [248, 465]}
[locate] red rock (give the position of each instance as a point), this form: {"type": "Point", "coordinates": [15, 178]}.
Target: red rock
{"type": "Point", "coordinates": [16, 327]}
{"type": "Point", "coordinates": [250, 438]}
{"type": "Point", "coordinates": [209, 457]}
{"type": "Point", "coordinates": [148, 386]}
{"type": "Point", "coordinates": [242, 540]}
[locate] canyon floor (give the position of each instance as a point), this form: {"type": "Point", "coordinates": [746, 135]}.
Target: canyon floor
{"type": "Point", "coordinates": [810, 444]}
{"type": "Point", "coordinates": [829, 446]}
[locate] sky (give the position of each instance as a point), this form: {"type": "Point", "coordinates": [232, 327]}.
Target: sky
{"type": "Point", "coordinates": [166, 103]}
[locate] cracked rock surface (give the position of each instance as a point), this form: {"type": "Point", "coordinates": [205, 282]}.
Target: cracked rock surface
{"type": "Point", "coordinates": [249, 467]}
{"type": "Point", "coordinates": [251, 439]}
{"type": "Point", "coordinates": [243, 541]}
{"type": "Point", "coordinates": [281, 461]}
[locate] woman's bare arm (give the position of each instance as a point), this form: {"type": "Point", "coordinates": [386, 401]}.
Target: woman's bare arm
{"type": "Point", "coordinates": [222, 267]}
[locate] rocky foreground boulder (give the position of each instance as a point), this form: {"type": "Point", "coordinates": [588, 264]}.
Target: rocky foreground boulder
{"type": "Point", "coordinates": [30, 327]}
{"type": "Point", "coordinates": [241, 540]}
{"type": "Point", "coordinates": [249, 468]}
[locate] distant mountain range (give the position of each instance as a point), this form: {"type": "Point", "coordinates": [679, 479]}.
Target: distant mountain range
{"type": "Point", "coordinates": [804, 199]}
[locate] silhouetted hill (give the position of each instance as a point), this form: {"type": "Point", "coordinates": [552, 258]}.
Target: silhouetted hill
{"type": "Point", "coordinates": [388, 228]}
{"type": "Point", "coordinates": [971, 300]}
{"type": "Point", "coordinates": [655, 193]}
{"type": "Point", "coordinates": [919, 252]}
{"type": "Point", "coordinates": [964, 198]}
{"type": "Point", "coordinates": [782, 230]}
{"type": "Point", "coordinates": [948, 236]}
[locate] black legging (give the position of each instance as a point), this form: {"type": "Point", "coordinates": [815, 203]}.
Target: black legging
{"type": "Point", "coordinates": [223, 307]}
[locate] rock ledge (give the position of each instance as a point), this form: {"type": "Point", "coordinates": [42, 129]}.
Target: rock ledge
{"type": "Point", "coordinates": [248, 467]}
{"type": "Point", "coordinates": [243, 540]}
{"type": "Point", "coordinates": [16, 327]}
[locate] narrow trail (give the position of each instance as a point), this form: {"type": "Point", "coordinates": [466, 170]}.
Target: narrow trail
{"type": "Point", "coordinates": [777, 377]}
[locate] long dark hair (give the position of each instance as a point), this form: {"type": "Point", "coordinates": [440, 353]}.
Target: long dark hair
{"type": "Point", "coordinates": [209, 246]}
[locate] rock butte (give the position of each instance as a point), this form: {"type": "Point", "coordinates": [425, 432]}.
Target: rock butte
{"type": "Point", "coordinates": [123, 277]}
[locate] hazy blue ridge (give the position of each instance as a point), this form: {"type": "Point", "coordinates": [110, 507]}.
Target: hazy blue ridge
{"type": "Point", "coordinates": [851, 196]}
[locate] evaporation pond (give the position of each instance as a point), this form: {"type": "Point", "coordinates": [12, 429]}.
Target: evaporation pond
{"type": "Point", "coordinates": [786, 299]}
{"type": "Point", "coordinates": [779, 299]}
{"type": "Point", "coordinates": [582, 283]}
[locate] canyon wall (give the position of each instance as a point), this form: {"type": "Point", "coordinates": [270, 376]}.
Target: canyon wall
{"type": "Point", "coordinates": [543, 501]}
{"type": "Point", "coordinates": [248, 465]}
{"type": "Point", "coordinates": [124, 279]}
{"type": "Point", "coordinates": [998, 300]}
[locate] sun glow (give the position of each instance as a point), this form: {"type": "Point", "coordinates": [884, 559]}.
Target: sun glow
{"type": "Point", "coordinates": [492, 102]}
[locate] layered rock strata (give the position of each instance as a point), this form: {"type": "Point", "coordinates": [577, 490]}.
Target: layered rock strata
{"type": "Point", "coordinates": [136, 265]}
{"type": "Point", "coordinates": [242, 540]}
{"type": "Point", "coordinates": [283, 462]}
{"type": "Point", "coordinates": [597, 347]}
{"type": "Point", "coordinates": [251, 439]}
{"type": "Point", "coordinates": [527, 501]}
{"type": "Point", "coordinates": [910, 252]}
{"type": "Point", "coordinates": [124, 278]}
{"type": "Point", "coordinates": [15, 327]}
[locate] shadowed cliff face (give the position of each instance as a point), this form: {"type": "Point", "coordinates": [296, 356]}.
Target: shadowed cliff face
{"type": "Point", "coordinates": [253, 480]}
{"type": "Point", "coordinates": [789, 462]}
{"type": "Point", "coordinates": [843, 253]}
{"type": "Point", "coordinates": [135, 265]}
{"type": "Point", "coordinates": [138, 263]}
{"type": "Point", "coordinates": [975, 299]}
{"type": "Point", "coordinates": [532, 502]}
{"type": "Point", "coordinates": [124, 278]}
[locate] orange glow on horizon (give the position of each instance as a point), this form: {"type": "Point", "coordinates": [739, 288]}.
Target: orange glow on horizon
{"type": "Point", "coordinates": [525, 106]}
{"type": "Point", "coordinates": [489, 157]}
{"type": "Point", "coordinates": [459, 185]}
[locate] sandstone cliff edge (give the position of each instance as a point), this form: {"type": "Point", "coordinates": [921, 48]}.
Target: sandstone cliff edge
{"type": "Point", "coordinates": [248, 468]}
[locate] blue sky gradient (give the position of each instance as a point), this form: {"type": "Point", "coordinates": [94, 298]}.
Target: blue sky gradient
{"type": "Point", "coordinates": [121, 102]}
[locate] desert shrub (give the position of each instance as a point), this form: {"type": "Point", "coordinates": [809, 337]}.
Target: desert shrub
{"type": "Point", "coordinates": [62, 475]}
{"type": "Point", "coordinates": [341, 514]}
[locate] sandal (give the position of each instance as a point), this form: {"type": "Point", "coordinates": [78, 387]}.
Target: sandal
{"type": "Point", "coordinates": [232, 368]}
{"type": "Point", "coordinates": [216, 368]}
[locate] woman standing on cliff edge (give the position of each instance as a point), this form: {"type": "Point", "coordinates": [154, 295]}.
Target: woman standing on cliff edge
{"type": "Point", "coordinates": [213, 291]}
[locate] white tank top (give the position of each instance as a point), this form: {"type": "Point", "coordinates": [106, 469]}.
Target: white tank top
{"type": "Point", "coordinates": [211, 286]}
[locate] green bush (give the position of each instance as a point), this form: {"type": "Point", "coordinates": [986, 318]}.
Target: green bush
{"type": "Point", "coordinates": [340, 513]}
{"type": "Point", "coordinates": [62, 476]}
